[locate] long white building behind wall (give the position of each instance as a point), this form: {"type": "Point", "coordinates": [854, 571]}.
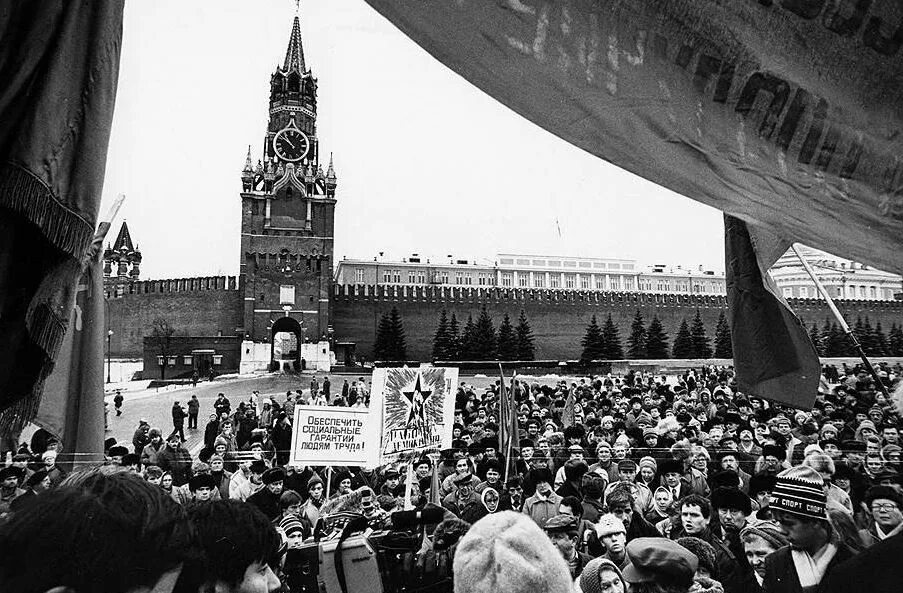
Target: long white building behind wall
{"type": "Point", "coordinates": [844, 279]}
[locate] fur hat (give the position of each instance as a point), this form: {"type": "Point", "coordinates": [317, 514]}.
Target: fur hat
{"type": "Point", "coordinates": [761, 483]}
{"type": "Point", "coordinates": [681, 450]}
{"type": "Point", "coordinates": [731, 498]}
{"type": "Point", "coordinates": [273, 475]}
{"type": "Point", "coordinates": [201, 481]}
{"type": "Point", "coordinates": [704, 551]}
{"type": "Point", "coordinates": [506, 552]}
{"type": "Point", "coordinates": [670, 466]}
{"type": "Point", "coordinates": [449, 532]}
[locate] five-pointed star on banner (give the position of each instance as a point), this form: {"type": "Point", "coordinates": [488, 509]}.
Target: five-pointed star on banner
{"type": "Point", "coordinates": [415, 399]}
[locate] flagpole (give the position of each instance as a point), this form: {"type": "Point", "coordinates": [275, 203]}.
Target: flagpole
{"type": "Point", "coordinates": [511, 435]}
{"type": "Point", "coordinates": [843, 323]}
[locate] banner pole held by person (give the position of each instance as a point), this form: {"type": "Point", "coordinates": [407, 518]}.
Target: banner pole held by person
{"type": "Point", "coordinates": [843, 322]}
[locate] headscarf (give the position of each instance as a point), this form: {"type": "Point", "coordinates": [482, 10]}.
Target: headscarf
{"type": "Point", "coordinates": [658, 506]}
{"type": "Point", "coordinates": [490, 506]}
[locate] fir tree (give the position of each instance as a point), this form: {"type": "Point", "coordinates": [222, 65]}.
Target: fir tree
{"type": "Point", "coordinates": [381, 345]}
{"type": "Point", "coordinates": [723, 346]}
{"type": "Point", "coordinates": [611, 341]}
{"type": "Point", "coordinates": [867, 337]}
{"type": "Point", "coordinates": [636, 343]}
{"type": "Point", "coordinates": [454, 339]}
{"type": "Point", "coordinates": [507, 340]}
{"type": "Point", "coordinates": [895, 340]}
{"type": "Point", "coordinates": [701, 345]}
{"type": "Point", "coordinates": [440, 340]}
{"type": "Point", "coordinates": [484, 337]}
{"type": "Point", "coordinates": [826, 338]}
{"type": "Point", "coordinates": [815, 336]}
{"type": "Point", "coordinates": [593, 348]}
{"type": "Point", "coordinates": [880, 340]}
{"type": "Point", "coordinates": [656, 340]}
{"type": "Point", "coordinates": [525, 348]}
{"type": "Point", "coordinates": [836, 342]}
{"type": "Point", "coordinates": [468, 348]}
{"type": "Point", "coordinates": [399, 346]}
{"type": "Point", "coordinates": [683, 342]}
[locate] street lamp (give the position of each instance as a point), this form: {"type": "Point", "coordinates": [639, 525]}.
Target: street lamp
{"type": "Point", "coordinates": [109, 341]}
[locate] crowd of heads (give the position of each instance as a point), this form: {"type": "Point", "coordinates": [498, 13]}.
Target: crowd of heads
{"type": "Point", "coordinates": [640, 482]}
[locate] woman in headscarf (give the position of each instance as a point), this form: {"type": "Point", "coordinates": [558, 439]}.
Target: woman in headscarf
{"type": "Point", "coordinates": [600, 575]}
{"type": "Point", "coordinates": [662, 506]}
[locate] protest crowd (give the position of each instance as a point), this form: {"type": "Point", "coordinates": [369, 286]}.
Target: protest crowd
{"type": "Point", "coordinates": [634, 483]}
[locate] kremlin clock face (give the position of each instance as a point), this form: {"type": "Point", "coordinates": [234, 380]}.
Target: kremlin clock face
{"type": "Point", "coordinates": [291, 145]}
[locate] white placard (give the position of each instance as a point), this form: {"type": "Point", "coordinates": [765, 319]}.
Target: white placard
{"type": "Point", "coordinates": [416, 410]}
{"type": "Point", "coordinates": [333, 436]}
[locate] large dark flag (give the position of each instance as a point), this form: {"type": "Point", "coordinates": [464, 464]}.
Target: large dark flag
{"type": "Point", "coordinates": [773, 355]}
{"type": "Point", "coordinates": [786, 114]}
{"type": "Point", "coordinates": [59, 63]}
{"type": "Point", "coordinates": [71, 406]}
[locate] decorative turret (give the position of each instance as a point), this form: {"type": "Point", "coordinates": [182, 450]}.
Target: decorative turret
{"type": "Point", "coordinates": [124, 256]}
{"type": "Point", "coordinates": [247, 174]}
{"type": "Point", "coordinates": [330, 173]}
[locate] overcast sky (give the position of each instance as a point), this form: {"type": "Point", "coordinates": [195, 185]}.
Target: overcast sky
{"type": "Point", "coordinates": [426, 163]}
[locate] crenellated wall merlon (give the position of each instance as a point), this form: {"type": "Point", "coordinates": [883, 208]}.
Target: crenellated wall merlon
{"type": "Point", "coordinates": [458, 294]}
{"type": "Point", "coordinates": [171, 285]}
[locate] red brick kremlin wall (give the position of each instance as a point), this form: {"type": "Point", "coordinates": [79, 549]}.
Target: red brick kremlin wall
{"type": "Point", "coordinates": [207, 306]}
{"type": "Point", "coordinates": [558, 318]}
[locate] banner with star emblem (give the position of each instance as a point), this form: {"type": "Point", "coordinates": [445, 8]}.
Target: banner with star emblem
{"type": "Point", "coordinates": [416, 408]}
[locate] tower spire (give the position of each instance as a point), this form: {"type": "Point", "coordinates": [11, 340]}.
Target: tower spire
{"type": "Point", "coordinates": [294, 54]}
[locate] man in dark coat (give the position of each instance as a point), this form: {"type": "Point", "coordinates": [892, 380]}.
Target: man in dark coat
{"type": "Point", "coordinates": [798, 504]}
{"type": "Point", "coordinates": [267, 498]}
{"type": "Point", "coordinates": [176, 460]}
{"type": "Point", "coordinates": [876, 570]}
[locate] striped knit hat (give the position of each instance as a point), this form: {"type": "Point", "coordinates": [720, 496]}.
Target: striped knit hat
{"type": "Point", "coordinates": [800, 490]}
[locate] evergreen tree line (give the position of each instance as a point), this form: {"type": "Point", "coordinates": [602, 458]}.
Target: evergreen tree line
{"type": "Point", "coordinates": [652, 342]}
{"type": "Point", "coordinates": [479, 340]}
{"type": "Point", "coordinates": [831, 340]}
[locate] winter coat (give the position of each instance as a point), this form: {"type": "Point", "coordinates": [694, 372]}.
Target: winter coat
{"type": "Point", "coordinates": [177, 462]}
{"type": "Point", "coordinates": [149, 453]}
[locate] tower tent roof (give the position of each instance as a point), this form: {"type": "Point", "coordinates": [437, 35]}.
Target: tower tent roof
{"type": "Point", "coordinates": [294, 54]}
{"type": "Point", "coordinates": [123, 239]}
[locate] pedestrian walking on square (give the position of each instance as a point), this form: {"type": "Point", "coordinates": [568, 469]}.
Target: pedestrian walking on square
{"type": "Point", "coordinates": [194, 408]}
{"type": "Point", "coordinates": [117, 402]}
{"type": "Point", "coordinates": [178, 420]}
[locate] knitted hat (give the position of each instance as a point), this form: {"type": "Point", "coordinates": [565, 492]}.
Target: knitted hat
{"type": "Point", "coordinates": [648, 462]}
{"type": "Point", "coordinates": [800, 490]}
{"type": "Point", "coordinates": [313, 481]}
{"type": "Point", "coordinates": [769, 531]}
{"type": "Point", "coordinates": [290, 525]}
{"type": "Point", "coordinates": [590, 578]}
{"type": "Point", "coordinates": [703, 551]}
{"type": "Point", "coordinates": [608, 524]}
{"type": "Point", "coordinates": [506, 552]}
